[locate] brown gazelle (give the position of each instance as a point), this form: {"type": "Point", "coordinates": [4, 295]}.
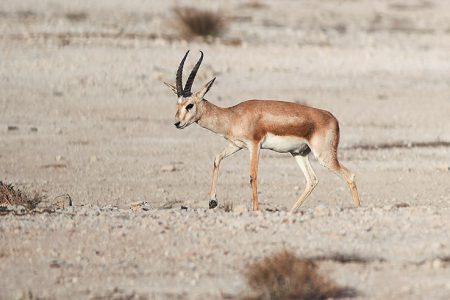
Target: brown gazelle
{"type": "Point", "coordinates": [263, 124]}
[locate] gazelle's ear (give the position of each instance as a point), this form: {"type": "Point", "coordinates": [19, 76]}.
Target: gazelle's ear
{"type": "Point", "coordinates": [202, 92]}
{"type": "Point", "coordinates": [172, 87]}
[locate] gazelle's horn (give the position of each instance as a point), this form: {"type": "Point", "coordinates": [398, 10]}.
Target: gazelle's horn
{"type": "Point", "coordinates": [179, 78]}
{"type": "Point", "coordinates": [187, 88]}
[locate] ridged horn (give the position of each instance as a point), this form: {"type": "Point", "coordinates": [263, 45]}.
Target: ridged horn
{"type": "Point", "coordinates": [179, 78]}
{"type": "Point", "coordinates": [187, 88]}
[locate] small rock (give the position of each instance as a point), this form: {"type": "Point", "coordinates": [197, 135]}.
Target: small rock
{"type": "Point", "coordinates": [55, 264]}
{"type": "Point", "coordinates": [12, 128]}
{"type": "Point", "coordinates": [436, 246]}
{"type": "Point", "coordinates": [406, 289]}
{"type": "Point", "coordinates": [57, 93]}
{"type": "Point", "coordinates": [137, 203]}
{"type": "Point", "coordinates": [437, 264]}
{"type": "Point", "coordinates": [140, 205]}
{"type": "Point", "coordinates": [443, 167]}
{"type": "Point", "coordinates": [321, 210]}
{"type": "Point", "coordinates": [33, 129]}
{"type": "Point", "coordinates": [59, 158]}
{"type": "Point", "coordinates": [18, 209]}
{"type": "Point", "coordinates": [387, 207]}
{"type": "Point", "coordinates": [168, 168]}
{"type": "Point", "coordinates": [239, 208]}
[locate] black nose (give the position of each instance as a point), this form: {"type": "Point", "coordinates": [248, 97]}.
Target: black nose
{"type": "Point", "coordinates": [177, 124]}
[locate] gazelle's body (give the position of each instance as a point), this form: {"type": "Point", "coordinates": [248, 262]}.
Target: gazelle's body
{"type": "Point", "coordinates": [276, 125]}
{"type": "Point", "coordinates": [265, 124]}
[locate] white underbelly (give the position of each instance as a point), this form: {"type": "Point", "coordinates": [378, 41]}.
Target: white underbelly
{"type": "Point", "coordinates": [283, 143]}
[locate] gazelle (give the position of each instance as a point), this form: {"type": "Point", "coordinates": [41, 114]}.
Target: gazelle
{"type": "Point", "coordinates": [263, 124]}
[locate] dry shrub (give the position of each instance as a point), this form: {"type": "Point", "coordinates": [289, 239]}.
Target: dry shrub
{"type": "Point", "coordinates": [254, 4]}
{"type": "Point", "coordinates": [193, 22]}
{"type": "Point", "coordinates": [11, 196]}
{"type": "Point", "coordinates": [285, 276]}
{"type": "Point", "coordinates": [76, 16]}
{"type": "Point", "coordinates": [227, 206]}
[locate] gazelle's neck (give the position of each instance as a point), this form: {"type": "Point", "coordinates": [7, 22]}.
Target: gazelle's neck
{"type": "Point", "coordinates": [214, 118]}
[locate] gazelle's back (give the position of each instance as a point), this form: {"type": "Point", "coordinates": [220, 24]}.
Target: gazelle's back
{"type": "Point", "coordinates": [282, 118]}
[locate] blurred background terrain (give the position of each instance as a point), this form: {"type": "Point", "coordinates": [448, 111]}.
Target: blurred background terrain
{"type": "Point", "coordinates": [83, 110]}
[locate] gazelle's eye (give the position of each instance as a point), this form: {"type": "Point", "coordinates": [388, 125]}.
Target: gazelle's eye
{"type": "Point", "coordinates": [189, 106]}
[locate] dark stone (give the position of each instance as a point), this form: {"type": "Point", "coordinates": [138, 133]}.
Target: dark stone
{"type": "Point", "coordinates": [212, 203]}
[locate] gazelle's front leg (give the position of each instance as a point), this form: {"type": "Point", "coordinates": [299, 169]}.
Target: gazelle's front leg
{"type": "Point", "coordinates": [254, 158]}
{"type": "Point", "coordinates": [229, 150]}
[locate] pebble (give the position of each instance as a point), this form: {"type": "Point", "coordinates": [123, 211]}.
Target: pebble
{"type": "Point", "coordinates": [387, 207]}
{"type": "Point", "coordinates": [19, 209]}
{"type": "Point", "coordinates": [241, 208]}
{"type": "Point", "coordinates": [12, 128]}
{"type": "Point", "coordinates": [168, 168]}
{"type": "Point", "coordinates": [321, 210]}
{"type": "Point", "coordinates": [437, 246]}
{"type": "Point", "coordinates": [406, 289]}
{"type": "Point", "coordinates": [437, 264]}
{"type": "Point", "coordinates": [443, 167]}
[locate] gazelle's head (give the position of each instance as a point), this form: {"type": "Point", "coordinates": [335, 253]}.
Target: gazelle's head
{"type": "Point", "coordinates": [189, 104]}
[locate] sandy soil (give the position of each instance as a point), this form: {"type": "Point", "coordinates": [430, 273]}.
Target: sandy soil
{"type": "Point", "coordinates": [83, 112]}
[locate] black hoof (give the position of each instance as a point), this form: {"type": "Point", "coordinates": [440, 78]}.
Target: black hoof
{"type": "Point", "coordinates": [212, 203]}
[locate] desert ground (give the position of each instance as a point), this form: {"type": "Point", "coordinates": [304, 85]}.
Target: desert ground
{"type": "Point", "coordinates": [83, 112]}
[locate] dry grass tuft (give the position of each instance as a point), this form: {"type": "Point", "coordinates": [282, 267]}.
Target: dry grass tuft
{"type": "Point", "coordinates": [227, 206]}
{"type": "Point", "coordinates": [285, 276]}
{"type": "Point", "coordinates": [11, 196]}
{"type": "Point", "coordinates": [193, 22]}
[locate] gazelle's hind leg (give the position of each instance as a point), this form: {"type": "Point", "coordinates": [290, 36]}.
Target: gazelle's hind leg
{"type": "Point", "coordinates": [311, 179]}
{"type": "Point", "coordinates": [325, 150]}
{"type": "Point", "coordinates": [349, 177]}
